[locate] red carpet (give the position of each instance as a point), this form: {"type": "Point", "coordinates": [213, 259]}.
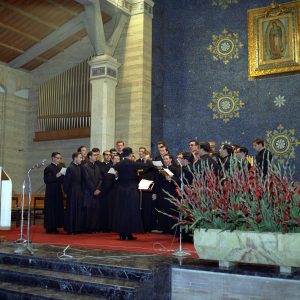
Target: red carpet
{"type": "Point", "coordinates": [153, 243]}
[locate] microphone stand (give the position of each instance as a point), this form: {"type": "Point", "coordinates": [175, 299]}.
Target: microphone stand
{"type": "Point", "coordinates": [26, 243]}
{"type": "Point", "coordinates": [21, 239]}
{"type": "Point", "coordinates": [180, 252]}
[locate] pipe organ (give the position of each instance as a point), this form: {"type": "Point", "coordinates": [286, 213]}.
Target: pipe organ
{"type": "Point", "coordinates": [64, 101]}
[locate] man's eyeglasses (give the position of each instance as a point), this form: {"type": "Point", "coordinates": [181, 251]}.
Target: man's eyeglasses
{"type": "Point", "coordinates": [58, 157]}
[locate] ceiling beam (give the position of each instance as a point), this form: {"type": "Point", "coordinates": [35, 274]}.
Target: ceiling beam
{"type": "Point", "coordinates": [31, 16]}
{"type": "Point", "coordinates": [11, 48]}
{"type": "Point", "coordinates": [68, 29]}
{"type": "Point", "coordinates": [67, 10]}
{"type": "Point", "coordinates": [94, 25]}
{"type": "Point", "coordinates": [24, 34]}
{"type": "Point", "coordinates": [27, 14]}
{"type": "Point", "coordinates": [119, 19]}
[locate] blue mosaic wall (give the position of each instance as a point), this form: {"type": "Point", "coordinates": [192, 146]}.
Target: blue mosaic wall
{"type": "Point", "coordinates": [199, 93]}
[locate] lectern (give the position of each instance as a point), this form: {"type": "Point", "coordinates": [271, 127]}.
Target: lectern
{"type": "Point", "coordinates": [5, 200]}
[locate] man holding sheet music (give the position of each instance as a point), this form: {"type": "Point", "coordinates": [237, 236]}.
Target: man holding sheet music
{"type": "Point", "coordinates": [54, 203]}
{"type": "Point", "coordinates": [168, 178]}
{"type": "Point", "coordinates": [148, 202]}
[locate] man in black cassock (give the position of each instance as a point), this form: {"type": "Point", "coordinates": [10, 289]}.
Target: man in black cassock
{"type": "Point", "coordinates": [263, 157]}
{"type": "Point", "coordinates": [109, 187]}
{"type": "Point", "coordinates": [168, 184]}
{"type": "Point", "coordinates": [92, 181]}
{"type": "Point", "coordinates": [226, 152]}
{"type": "Point", "coordinates": [127, 215]}
{"type": "Point", "coordinates": [206, 162]}
{"type": "Point", "coordinates": [148, 198]}
{"type": "Point", "coordinates": [73, 189]}
{"type": "Point", "coordinates": [54, 203]}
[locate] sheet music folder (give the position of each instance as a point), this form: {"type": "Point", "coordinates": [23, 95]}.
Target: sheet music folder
{"type": "Point", "coordinates": [146, 185]}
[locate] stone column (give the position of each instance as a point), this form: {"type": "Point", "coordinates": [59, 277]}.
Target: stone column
{"type": "Point", "coordinates": [133, 109]}
{"type": "Point", "coordinates": [103, 76]}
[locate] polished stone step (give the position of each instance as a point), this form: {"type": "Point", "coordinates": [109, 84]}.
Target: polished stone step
{"type": "Point", "coordinates": [12, 291]}
{"type": "Point", "coordinates": [72, 266]}
{"type": "Point", "coordinates": [150, 272]}
{"type": "Point", "coordinates": [81, 284]}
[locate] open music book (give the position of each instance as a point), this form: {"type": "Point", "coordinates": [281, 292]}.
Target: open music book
{"type": "Point", "coordinates": [157, 163]}
{"type": "Point", "coordinates": [146, 185]}
{"type": "Point", "coordinates": [166, 172]}
{"type": "Point", "coordinates": [112, 171]}
{"type": "Point", "coordinates": [63, 171]}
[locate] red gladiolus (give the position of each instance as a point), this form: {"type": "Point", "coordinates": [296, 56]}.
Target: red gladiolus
{"type": "Point", "coordinates": [258, 219]}
{"type": "Point", "coordinates": [235, 207]}
{"type": "Point", "coordinates": [282, 199]}
{"type": "Point", "coordinates": [257, 194]}
{"type": "Point", "coordinates": [245, 211]}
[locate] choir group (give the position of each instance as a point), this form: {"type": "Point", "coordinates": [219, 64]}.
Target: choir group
{"type": "Point", "coordinates": [102, 194]}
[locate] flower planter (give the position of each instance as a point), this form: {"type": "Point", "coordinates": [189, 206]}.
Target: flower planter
{"type": "Point", "coordinates": [270, 248]}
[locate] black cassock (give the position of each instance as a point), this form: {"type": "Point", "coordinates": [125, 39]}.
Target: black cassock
{"type": "Point", "coordinates": [148, 205]}
{"type": "Point", "coordinates": [127, 216]}
{"type": "Point", "coordinates": [165, 223]}
{"type": "Point", "coordinates": [73, 189]}
{"type": "Point", "coordinates": [109, 188]}
{"type": "Point", "coordinates": [54, 203]}
{"type": "Point", "coordinates": [104, 201]}
{"type": "Point", "coordinates": [92, 180]}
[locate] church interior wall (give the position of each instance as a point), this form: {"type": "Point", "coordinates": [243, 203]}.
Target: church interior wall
{"type": "Point", "coordinates": [188, 73]}
{"type": "Point", "coordinates": [14, 117]}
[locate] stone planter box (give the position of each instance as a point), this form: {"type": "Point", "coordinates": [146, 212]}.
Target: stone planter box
{"type": "Point", "coordinates": [270, 248]}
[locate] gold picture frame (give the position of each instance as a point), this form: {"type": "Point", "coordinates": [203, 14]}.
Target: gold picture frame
{"type": "Point", "coordinates": [273, 39]}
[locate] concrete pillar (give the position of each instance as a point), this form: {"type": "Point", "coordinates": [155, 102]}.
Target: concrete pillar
{"type": "Point", "coordinates": [104, 78]}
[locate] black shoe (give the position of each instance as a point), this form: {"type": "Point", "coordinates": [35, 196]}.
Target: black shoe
{"type": "Point", "coordinates": [130, 237]}
{"type": "Point", "coordinates": [52, 231]}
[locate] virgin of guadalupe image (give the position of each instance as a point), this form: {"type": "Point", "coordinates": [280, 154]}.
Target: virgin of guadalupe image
{"type": "Point", "coordinates": [275, 38]}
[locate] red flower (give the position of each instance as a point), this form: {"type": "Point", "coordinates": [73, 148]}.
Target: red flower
{"type": "Point", "coordinates": [285, 217]}
{"type": "Point", "coordinates": [235, 207]}
{"type": "Point", "coordinates": [257, 194]}
{"type": "Point", "coordinates": [258, 219]}
{"type": "Point", "coordinates": [245, 211]}
{"type": "Point", "coordinates": [282, 199]}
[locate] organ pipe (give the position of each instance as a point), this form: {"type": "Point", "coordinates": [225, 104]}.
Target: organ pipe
{"type": "Point", "coordinates": [64, 101]}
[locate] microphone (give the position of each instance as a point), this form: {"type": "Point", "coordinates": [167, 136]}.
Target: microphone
{"type": "Point", "coordinates": [38, 165]}
{"type": "Point", "coordinates": [179, 162]}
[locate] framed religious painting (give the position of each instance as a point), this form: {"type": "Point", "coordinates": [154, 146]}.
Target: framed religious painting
{"type": "Point", "coordinates": [273, 38]}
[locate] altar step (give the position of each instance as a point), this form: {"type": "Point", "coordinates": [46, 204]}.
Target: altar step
{"type": "Point", "coordinates": [29, 277]}
{"type": "Point", "coordinates": [13, 291]}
